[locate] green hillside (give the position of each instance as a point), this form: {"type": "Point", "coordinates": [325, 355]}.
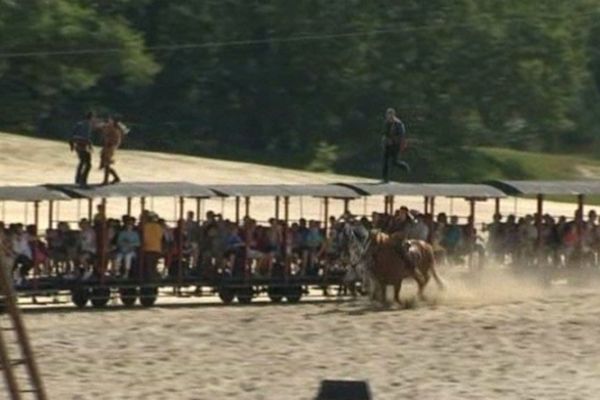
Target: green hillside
{"type": "Point", "coordinates": [514, 164]}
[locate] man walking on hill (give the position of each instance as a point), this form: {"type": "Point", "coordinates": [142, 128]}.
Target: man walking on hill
{"type": "Point", "coordinates": [81, 142]}
{"type": "Point", "coordinates": [394, 142]}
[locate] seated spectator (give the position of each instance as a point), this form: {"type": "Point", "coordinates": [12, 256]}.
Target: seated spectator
{"type": "Point", "coordinates": [453, 237]}
{"type": "Point", "coordinates": [263, 250]}
{"type": "Point", "coordinates": [169, 248]}
{"type": "Point", "coordinates": [419, 229]}
{"type": "Point", "coordinates": [23, 253]}
{"type": "Point", "coordinates": [212, 244]}
{"type": "Point", "coordinates": [63, 245]}
{"type": "Point", "coordinates": [39, 251]}
{"type": "Point", "coordinates": [570, 239]}
{"type": "Point", "coordinates": [192, 233]}
{"type": "Point", "coordinates": [128, 244]}
{"type": "Point", "coordinates": [437, 238]}
{"type": "Point", "coordinates": [496, 238]}
{"type": "Point", "coordinates": [314, 243]}
{"type": "Point", "coordinates": [87, 248]}
{"type": "Point", "coordinates": [235, 248]}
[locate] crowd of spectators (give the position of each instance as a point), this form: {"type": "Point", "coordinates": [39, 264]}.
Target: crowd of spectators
{"type": "Point", "coordinates": [217, 245]}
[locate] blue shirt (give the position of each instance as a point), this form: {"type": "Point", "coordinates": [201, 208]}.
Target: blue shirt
{"type": "Point", "coordinates": [128, 241]}
{"type": "Point", "coordinates": [82, 131]}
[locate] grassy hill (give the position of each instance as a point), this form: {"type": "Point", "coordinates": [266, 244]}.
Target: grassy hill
{"type": "Point", "coordinates": [515, 164]}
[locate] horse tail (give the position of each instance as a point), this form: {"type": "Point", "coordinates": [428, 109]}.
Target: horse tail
{"type": "Point", "coordinates": [429, 259]}
{"type": "Point", "coordinates": [440, 283]}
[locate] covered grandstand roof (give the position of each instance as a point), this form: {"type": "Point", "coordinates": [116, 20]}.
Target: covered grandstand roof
{"type": "Point", "coordinates": [492, 189]}
{"type": "Point", "coordinates": [137, 189]}
{"type": "Point", "coordinates": [524, 188]}
{"type": "Point", "coordinates": [30, 194]}
{"type": "Point", "coordinates": [323, 190]}
{"type": "Point", "coordinates": [427, 189]}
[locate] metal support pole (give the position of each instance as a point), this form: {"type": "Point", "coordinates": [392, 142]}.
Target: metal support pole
{"type": "Point", "coordinates": [175, 209]}
{"type": "Point", "coordinates": [142, 260]}
{"type": "Point", "coordinates": [580, 204]}
{"type": "Point", "coordinates": [78, 209]}
{"type": "Point", "coordinates": [103, 243]}
{"type": "Point", "coordinates": [497, 206]}
{"type": "Point", "coordinates": [50, 214]}
{"type": "Point", "coordinates": [180, 245]}
{"type": "Point", "coordinates": [346, 206]}
{"type": "Point", "coordinates": [90, 209]}
{"type": "Point", "coordinates": [36, 214]}
{"type": "Point", "coordinates": [538, 222]}
{"type": "Point", "coordinates": [286, 216]}
{"type": "Point", "coordinates": [237, 210]}
{"type": "Point", "coordinates": [277, 208]}
{"type": "Point", "coordinates": [471, 226]}
{"type": "Point", "coordinates": [432, 206]}
{"type": "Point", "coordinates": [198, 208]}
{"type": "Point", "coordinates": [129, 207]}
{"type": "Point", "coordinates": [326, 214]}
{"type": "Point", "coordinates": [247, 205]}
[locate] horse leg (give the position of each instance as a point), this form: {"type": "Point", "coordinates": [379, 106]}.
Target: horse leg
{"type": "Point", "coordinates": [383, 290]}
{"type": "Point", "coordinates": [397, 288]}
{"type": "Point", "coordinates": [422, 282]}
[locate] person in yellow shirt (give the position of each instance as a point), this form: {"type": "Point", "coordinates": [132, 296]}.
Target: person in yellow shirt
{"type": "Point", "coordinates": [152, 235]}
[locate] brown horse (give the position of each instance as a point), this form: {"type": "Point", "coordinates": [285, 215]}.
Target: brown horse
{"type": "Point", "coordinates": [393, 259]}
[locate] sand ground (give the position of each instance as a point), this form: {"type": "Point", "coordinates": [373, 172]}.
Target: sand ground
{"type": "Point", "coordinates": [500, 339]}
{"type": "Point", "coordinates": [497, 337]}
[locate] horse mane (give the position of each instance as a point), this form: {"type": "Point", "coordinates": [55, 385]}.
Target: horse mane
{"type": "Point", "coordinates": [379, 237]}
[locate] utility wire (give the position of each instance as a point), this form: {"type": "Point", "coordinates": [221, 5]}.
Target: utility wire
{"type": "Point", "coordinates": [252, 42]}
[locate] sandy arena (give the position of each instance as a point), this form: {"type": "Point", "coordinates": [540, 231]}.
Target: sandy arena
{"type": "Point", "coordinates": [494, 337]}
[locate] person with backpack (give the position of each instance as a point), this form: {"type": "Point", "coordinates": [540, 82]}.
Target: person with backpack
{"type": "Point", "coordinates": [81, 142]}
{"type": "Point", "coordinates": [394, 142]}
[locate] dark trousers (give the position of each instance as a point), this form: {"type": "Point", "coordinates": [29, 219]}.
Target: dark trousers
{"type": "Point", "coordinates": [150, 267]}
{"type": "Point", "coordinates": [84, 167]}
{"type": "Point", "coordinates": [23, 265]}
{"type": "Point", "coordinates": [390, 156]}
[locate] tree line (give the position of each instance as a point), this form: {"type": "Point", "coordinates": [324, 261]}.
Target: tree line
{"type": "Point", "coordinates": [306, 83]}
